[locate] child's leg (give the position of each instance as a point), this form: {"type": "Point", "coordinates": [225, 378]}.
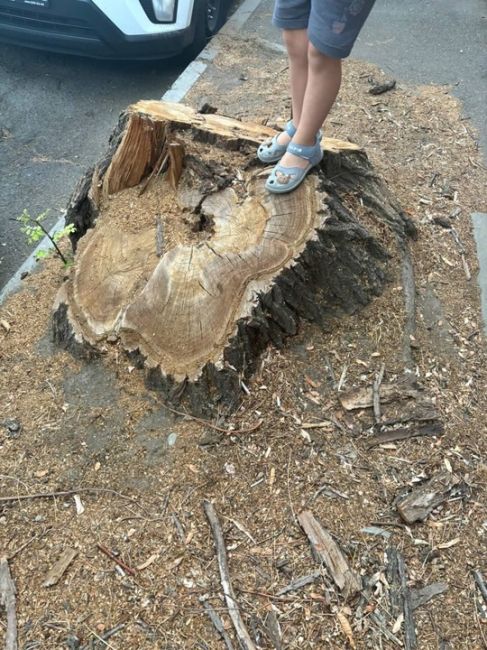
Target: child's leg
{"type": "Point", "coordinates": [292, 17]}
{"type": "Point", "coordinates": [324, 79]}
{"type": "Point", "coordinates": [333, 27]}
{"type": "Point", "coordinates": [296, 41]}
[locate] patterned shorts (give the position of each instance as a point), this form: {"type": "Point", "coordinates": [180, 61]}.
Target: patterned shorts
{"type": "Point", "coordinates": [333, 25]}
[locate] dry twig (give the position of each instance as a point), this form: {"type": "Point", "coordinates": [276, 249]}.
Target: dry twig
{"type": "Point", "coordinates": [217, 623]}
{"type": "Point", "coordinates": [221, 551]}
{"type": "Point", "coordinates": [128, 569]}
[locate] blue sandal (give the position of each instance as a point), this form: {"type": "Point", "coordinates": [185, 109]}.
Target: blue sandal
{"type": "Point", "coordinates": [285, 179]}
{"type": "Point", "coordinates": [271, 151]}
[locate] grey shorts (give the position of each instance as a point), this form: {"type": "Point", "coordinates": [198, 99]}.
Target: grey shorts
{"type": "Point", "coordinates": [333, 25]}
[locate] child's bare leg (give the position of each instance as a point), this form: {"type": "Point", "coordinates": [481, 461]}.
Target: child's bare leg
{"type": "Point", "coordinates": [296, 42]}
{"type": "Point", "coordinates": [323, 83]}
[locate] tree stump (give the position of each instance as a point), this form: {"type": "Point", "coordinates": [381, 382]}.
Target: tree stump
{"type": "Point", "coordinates": [186, 262]}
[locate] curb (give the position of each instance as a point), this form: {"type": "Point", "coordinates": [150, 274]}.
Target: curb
{"type": "Point", "coordinates": [180, 87]}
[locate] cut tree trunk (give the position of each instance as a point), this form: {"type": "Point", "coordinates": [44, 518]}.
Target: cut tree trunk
{"type": "Point", "coordinates": [184, 260]}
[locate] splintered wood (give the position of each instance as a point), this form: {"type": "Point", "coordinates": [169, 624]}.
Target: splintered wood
{"type": "Point", "coordinates": [424, 498]}
{"type": "Point", "coordinates": [57, 571]}
{"type": "Point", "coordinates": [328, 551]}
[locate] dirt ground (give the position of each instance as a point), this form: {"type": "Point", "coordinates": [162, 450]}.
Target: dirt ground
{"type": "Point", "coordinates": [141, 474]}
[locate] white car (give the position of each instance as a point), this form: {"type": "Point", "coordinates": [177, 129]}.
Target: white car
{"type": "Point", "coordinates": [121, 29]}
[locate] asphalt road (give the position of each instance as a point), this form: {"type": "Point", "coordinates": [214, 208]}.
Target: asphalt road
{"type": "Point", "coordinates": [433, 41]}
{"type": "Point", "coordinates": [56, 113]}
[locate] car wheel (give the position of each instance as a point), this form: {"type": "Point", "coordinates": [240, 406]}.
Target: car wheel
{"type": "Point", "coordinates": [209, 16]}
{"type": "Point", "coordinates": [216, 15]}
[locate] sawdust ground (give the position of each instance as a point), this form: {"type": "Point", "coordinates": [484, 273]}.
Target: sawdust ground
{"type": "Point", "coordinates": [96, 425]}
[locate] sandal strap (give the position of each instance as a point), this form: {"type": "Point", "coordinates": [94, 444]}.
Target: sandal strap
{"type": "Point", "coordinates": [290, 129]}
{"type": "Point", "coordinates": [307, 153]}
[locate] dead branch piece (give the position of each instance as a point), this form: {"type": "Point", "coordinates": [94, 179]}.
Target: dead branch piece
{"type": "Point", "coordinates": [217, 623]}
{"type": "Point", "coordinates": [56, 572]}
{"type": "Point", "coordinates": [104, 637]}
{"type": "Point", "coordinates": [409, 627]}
{"type": "Point", "coordinates": [481, 584]}
{"type": "Point", "coordinates": [417, 505]}
{"type": "Point", "coordinates": [379, 623]}
{"type": "Point", "coordinates": [273, 629]}
{"type": "Point", "coordinates": [420, 597]}
{"type": "Point", "coordinates": [108, 553]}
{"type": "Point", "coordinates": [404, 433]}
{"type": "Point", "coordinates": [214, 426]}
{"type": "Point", "coordinates": [299, 583]}
{"type": "Point", "coordinates": [376, 396]}
{"type": "Point", "coordinates": [400, 595]}
{"type": "Point", "coordinates": [409, 289]}
{"type": "Point", "coordinates": [363, 398]}
{"type": "Point", "coordinates": [330, 554]}
{"type": "Point", "coordinates": [64, 493]}
{"type": "Point", "coordinates": [221, 552]}
{"type": "Point", "coordinates": [7, 600]}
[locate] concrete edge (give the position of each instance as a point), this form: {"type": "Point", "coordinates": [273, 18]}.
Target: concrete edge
{"type": "Point", "coordinates": [178, 90]}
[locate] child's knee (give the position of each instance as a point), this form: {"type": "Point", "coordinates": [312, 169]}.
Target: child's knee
{"type": "Point", "coordinates": [320, 59]}
{"type": "Point", "coordinates": [296, 43]}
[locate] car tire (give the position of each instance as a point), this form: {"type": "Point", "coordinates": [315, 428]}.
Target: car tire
{"type": "Point", "coordinates": [209, 17]}
{"type": "Point", "coordinates": [216, 15]}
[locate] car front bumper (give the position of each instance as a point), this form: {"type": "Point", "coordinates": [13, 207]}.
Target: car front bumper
{"type": "Point", "coordinates": [79, 27]}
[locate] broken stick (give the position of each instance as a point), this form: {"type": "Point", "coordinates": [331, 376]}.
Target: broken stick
{"type": "Point", "coordinates": [409, 626]}
{"type": "Point", "coordinates": [376, 395]}
{"type": "Point", "coordinates": [328, 551]}
{"type": "Point", "coordinates": [217, 623]}
{"type": "Point", "coordinates": [7, 599]}
{"type": "Point", "coordinates": [481, 584]}
{"type": "Point", "coordinates": [221, 552]}
{"type": "Point", "coordinates": [128, 569]}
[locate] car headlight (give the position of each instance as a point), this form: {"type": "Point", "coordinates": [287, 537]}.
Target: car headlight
{"type": "Point", "coordinates": [164, 10]}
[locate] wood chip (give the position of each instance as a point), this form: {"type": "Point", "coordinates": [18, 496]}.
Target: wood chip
{"type": "Point", "coordinates": [148, 562]}
{"type": "Point", "coordinates": [346, 628]}
{"type": "Point", "coordinates": [417, 505]}
{"type": "Point", "coordinates": [56, 572]}
{"type": "Point", "coordinates": [452, 542]}
{"type": "Point", "coordinates": [375, 530]}
{"type": "Point", "coordinates": [79, 504]}
{"type": "Point", "coordinates": [6, 325]}
{"type": "Point", "coordinates": [329, 553]}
